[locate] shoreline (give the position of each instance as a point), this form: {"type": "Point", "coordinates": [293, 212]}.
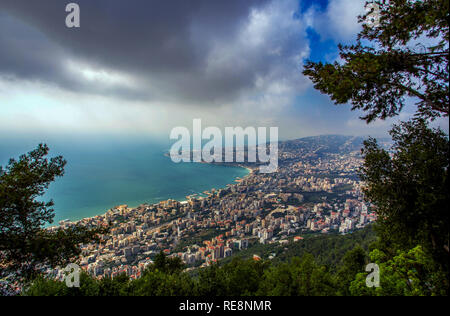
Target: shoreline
{"type": "Point", "coordinates": [250, 172]}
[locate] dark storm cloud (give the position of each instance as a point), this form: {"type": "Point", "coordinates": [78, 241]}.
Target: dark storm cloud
{"type": "Point", "coordinates": [165, 45]}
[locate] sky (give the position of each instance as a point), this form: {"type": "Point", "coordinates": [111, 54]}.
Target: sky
{"type": "Point", "coordinates": [144, 67]}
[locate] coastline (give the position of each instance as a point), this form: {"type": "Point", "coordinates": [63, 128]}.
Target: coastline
{"type": "Point", "coordinates": [182, 201]}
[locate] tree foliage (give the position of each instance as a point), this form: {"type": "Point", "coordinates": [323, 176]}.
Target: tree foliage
{"type": "Point", "coordinates": [409, 186]}
{"type": "Point", "coordinates": [403, 55]}
{"type": "Point", "coordinates": [237, 278]}
{"type": "Point", "coordinates": [408, 273]}
{"type": "Point", "coordinates": [353, 263]}
{"type": "Point", "coordinates": [24, 243]}
{"type": "Point", "coordinates": [386, 65]}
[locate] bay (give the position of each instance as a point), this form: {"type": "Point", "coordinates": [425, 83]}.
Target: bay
{"type": "Point", "coordinates": [103, 173]}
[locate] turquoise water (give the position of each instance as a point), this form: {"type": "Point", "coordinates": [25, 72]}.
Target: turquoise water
{"type": "Point", "coordinates": [101, 174]}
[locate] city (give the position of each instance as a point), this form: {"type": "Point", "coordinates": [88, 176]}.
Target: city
{"type": "Point", "coordinates": [314, 191]}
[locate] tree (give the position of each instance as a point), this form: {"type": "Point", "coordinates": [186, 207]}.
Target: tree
{"type": "Point", "coordinates": [409, 186]}
{"type": "Point", "coordinates": [243, 277]}
{"type": "Point", "coordinates": [353, 263]}
{"type": "Point", "coordinates": [300, 277]}
{"type": "Point", "coordinates": [379, 78]}
{"type": "Point", "coordinates": [167, 265]}
{"type": "Point", "coordinates": [408, 273]}
{"type": "Point", "coordinates": [409, 183]}
{"type": "Point", "coordinates": [24, 243]}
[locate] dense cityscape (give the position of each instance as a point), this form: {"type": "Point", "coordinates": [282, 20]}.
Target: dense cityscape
{"type": "Point", "coordinates": [316, 190]}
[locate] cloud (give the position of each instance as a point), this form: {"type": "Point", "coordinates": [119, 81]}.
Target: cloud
{"type": "Point", "coordinates": [272, 57]}
{"type": "Point", "coordinates": [143, 67]}
{"type": "Point", "coordinates": [196, 52]}
{"type": "Point", "coordinates": [339, 21]}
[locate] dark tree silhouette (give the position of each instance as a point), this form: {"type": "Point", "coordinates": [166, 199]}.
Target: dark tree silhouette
{"type": "Point", "coordinates": [24, 243]}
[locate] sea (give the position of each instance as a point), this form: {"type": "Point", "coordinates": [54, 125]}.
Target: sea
{"type": "Point", "coordinates": [105, 172]}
